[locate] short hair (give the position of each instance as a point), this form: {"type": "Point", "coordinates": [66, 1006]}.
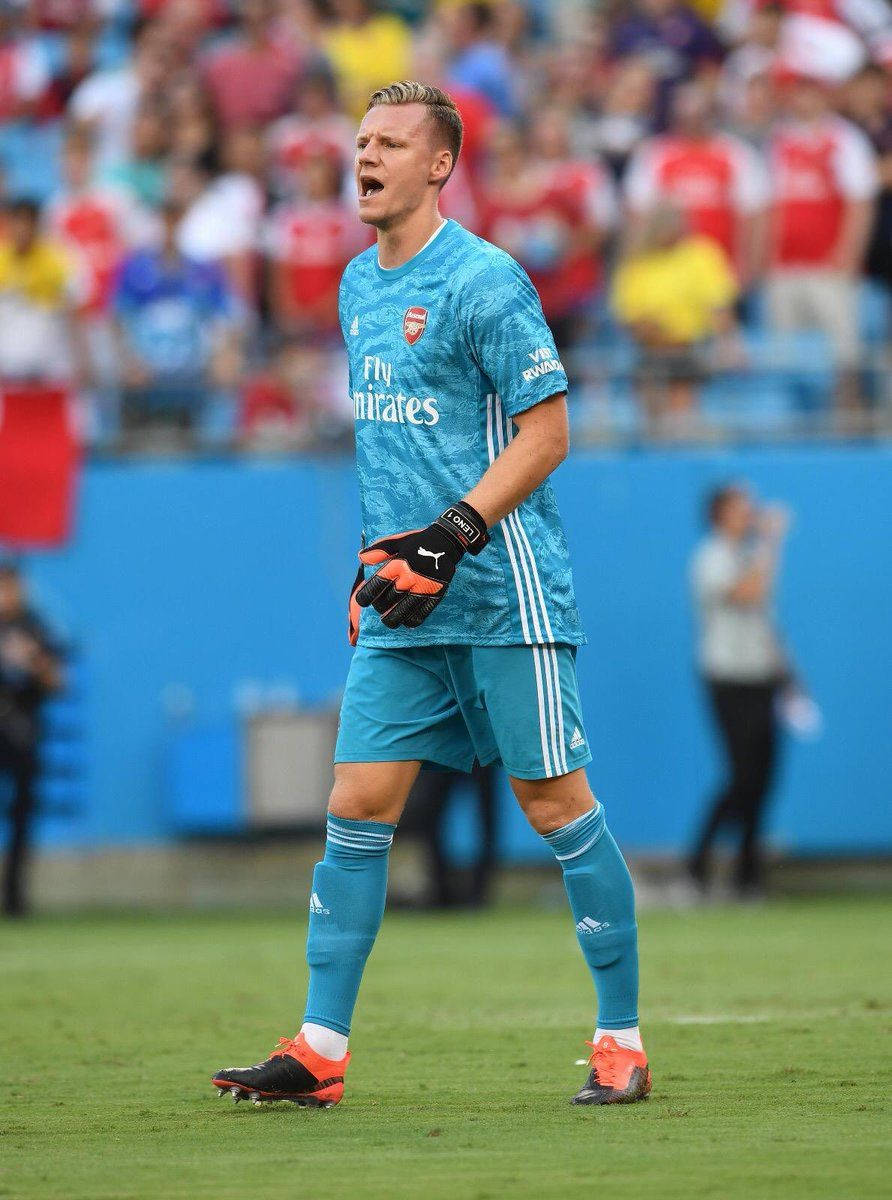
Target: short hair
{"type": "Point", "coordinates": [24, 206]}
{"type": "Point", "coordinates": [482, 16]}
{"type": "Point", "coordinates": [719, 498]}
{"type": "Point", "coordinates": [441, 109]}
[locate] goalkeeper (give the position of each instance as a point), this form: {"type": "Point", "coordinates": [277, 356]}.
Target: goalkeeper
{"type": "Point", "coordinates": [463, 612]}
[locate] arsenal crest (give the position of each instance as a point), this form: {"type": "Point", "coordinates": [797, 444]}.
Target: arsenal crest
{"type": "Point", "coordinates": [413, 324]}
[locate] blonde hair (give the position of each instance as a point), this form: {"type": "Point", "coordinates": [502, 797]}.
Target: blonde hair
{"type": "Point", "coordinates": [441, 110]}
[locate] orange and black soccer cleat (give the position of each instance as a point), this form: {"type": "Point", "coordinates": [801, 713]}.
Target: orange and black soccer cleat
{"type": "Point", "coordinates": [416, 568]}
{"type": "Point", "coordinates": [293, 1072]}
{"type": "Point", "coordinates": [617, 1076]}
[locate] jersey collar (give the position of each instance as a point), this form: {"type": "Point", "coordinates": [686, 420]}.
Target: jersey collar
{"type": "Point", "coordinates": [411, 263]}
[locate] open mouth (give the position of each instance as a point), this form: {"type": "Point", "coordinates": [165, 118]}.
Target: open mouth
{"type": "Point", "coordinates": [369, 187]}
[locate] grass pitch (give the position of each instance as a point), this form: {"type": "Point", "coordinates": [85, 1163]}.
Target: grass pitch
{"type": "Point", "coordinates": [767, 1030]}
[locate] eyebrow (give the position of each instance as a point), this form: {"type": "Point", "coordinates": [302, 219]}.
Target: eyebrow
{"type": "Point", "coordinates": [398, 139]}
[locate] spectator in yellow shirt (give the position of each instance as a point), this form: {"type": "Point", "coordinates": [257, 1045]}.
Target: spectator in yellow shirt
{"type": "Point", "coordinates": [675, 292]}
{"type": "Point", "coordinates": [367, 50]}
{"type": "Point", "coordinates": [37, 301]}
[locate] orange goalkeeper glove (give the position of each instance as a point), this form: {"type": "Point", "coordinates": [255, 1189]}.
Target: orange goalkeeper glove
{"type": "Point", "coordinates": [416, 568]}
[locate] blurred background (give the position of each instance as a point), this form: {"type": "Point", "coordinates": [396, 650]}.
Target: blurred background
{"type": "Point", "coordinates": [702, 195]}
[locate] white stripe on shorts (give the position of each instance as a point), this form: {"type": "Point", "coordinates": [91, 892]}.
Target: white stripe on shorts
{"type": "Point", "coordinates": [549, 652]}
{"type": "Point", "coordinates": [529, 591]}
{"type": "Point", "coordinates": [513, 554]}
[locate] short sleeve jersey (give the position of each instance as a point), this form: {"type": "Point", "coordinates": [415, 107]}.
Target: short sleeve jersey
{"type": "Point", "coordinates": [443, 352]}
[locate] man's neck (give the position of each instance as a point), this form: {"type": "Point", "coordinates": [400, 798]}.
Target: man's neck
{"type": "Point", "coordinates": [396, 246]}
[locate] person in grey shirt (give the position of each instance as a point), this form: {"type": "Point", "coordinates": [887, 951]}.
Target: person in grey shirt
{"type": "Point", "coordinates": [742, 664]}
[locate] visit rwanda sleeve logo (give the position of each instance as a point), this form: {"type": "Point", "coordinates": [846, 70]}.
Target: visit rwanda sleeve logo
{"type": "Point", "coordinates": [414, 323]}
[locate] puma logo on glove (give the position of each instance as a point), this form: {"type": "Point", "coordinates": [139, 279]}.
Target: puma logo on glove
{"type": "Point", "coordinates": [430, 554]}
{"type": "Point", "coordinates": [403, 589]}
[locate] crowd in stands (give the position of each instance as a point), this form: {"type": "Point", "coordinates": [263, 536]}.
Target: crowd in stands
{"type": "Point", "coordinates": [701, 193]}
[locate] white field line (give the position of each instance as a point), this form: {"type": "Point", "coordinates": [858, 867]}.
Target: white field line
{"type": "Point", "coordinates": [724, 1019]}
{"type": "Point", "coordinates": [731, 1018]}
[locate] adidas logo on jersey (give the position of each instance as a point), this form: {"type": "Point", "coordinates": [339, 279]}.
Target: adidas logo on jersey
{"type": "Point", "coordinates": [590, 925]}
{"type": "Point", "coordinates": [317, 907]}
{"type": "Point", "coordinates": [577, 740]}
{"type": "Point", "coordinates": [354, 327]}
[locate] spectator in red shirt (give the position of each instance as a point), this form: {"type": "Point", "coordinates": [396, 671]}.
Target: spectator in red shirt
{"type": "Point", "coordinates": [252, 78]}
{"type": "Point", "coordinates": [317, 125]}
{"type": "Point", "coordinates": [528, 211]}
{"type": "Point", "coordinates": [824, 181]}
{"type": "Point", "coordinates": [90, 221]}
{"type": "Point", "coordinates": [586, 184]}
{"type": "Point", "coordinates": [97, 225]}
{"type": "Point", "coordinates": [716, 179]}
{"type": "Point", "coordinates": [276, 404]}
{"type": "Point", "coordinates": [310, 241]}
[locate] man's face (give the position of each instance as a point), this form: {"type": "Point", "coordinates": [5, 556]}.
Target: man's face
{"type": "Point", "coordinates": [22, 229]}
{"type": "Point", "coordinates": [657, 8]}
{"type": "Point", "coordinates": [396, 162]}
{"type": "Point", "coordinates": [256, 14]}
{"type": "Point", "coordinates": [737, 514]}
{"type": "Point", "coordinates": [806, 100]}
{"type": "Point", "coordinates": [866, 95]}
{"type": "Point", "coordinates": [691, 110]}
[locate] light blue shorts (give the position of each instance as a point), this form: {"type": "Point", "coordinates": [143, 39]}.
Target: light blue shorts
{"type": "Point", "coordinates": [450, 705]}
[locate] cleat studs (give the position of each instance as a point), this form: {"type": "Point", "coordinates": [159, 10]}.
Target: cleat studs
{"type": "Point", "coordinates": [255, 1098]}
{"type": "Point", "coordinates": [236, 1094]}
{"type": "Point", "coordinates": [221, 1091]}
{"type": "Point", "coordinates": [327, 1104]}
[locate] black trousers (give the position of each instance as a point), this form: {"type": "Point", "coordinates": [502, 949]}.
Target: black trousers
{"type": "Point", "coordinates": [425, 815]}
{"type": "Point", "coordinates": [745, 718]}
{"type": "Point", "coordinates": [19, 766]}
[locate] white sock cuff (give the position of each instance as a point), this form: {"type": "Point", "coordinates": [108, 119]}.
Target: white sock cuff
{"type": "Point", "coordinates": [327, 1042]}
{"type": "Point", "coordinates": [629, 1039]}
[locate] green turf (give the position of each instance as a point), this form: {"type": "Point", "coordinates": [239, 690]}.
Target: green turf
{"type": "Point", "coordinates": [465, 1040]}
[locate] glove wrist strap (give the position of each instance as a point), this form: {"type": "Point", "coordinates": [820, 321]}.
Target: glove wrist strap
{"type": "Point", "coordinates": [466, 525]}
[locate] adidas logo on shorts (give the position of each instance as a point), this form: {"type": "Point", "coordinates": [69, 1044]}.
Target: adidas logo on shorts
{"type": "Point", "coordinates": [577, 740]}
{"type": "Point", "coordinates": [590, 925]}
{"type": "Point", "coordinates": [316, 906]}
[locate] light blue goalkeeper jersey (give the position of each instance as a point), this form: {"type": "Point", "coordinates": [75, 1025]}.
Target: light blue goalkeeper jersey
{"type": "Point", "coordinates": [443, 352]}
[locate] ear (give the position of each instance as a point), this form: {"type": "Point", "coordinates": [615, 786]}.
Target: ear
{"type": "Point", "coordinates": [441, 167]}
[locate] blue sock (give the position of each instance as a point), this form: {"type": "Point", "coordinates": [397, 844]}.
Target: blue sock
{"type": "Point", "coordinates": [601, 896]}
{"type": "Point", "coordinates": [346, 907]}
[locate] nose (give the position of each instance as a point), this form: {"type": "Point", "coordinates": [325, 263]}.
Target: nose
{"type": "Point", "coordinates": [367, 156]}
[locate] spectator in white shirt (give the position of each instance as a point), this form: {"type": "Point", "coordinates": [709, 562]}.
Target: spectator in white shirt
{"type": "Point", "coordinates": [733, 575]}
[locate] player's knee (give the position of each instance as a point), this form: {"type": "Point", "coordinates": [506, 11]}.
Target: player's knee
{"type": "Point", "coordinates": [363, 794]}
{"type": "Point", "coordinates": [550, 804]}
{"type": "Point", "coordinates": [352, 805]}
